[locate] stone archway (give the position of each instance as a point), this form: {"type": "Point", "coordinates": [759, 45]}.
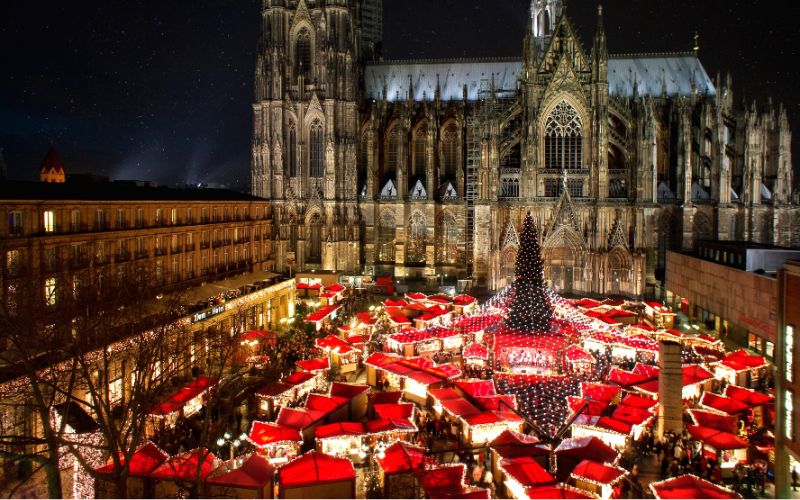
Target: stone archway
{"type": "Point", "coordinates": [620, 265]}
{"type": "Point", "coordinates": [564, 260]}
{"type": "Point", "coordinates": [508, 263]}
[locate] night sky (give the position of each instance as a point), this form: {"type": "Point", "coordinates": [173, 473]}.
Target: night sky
{"type": "Point", "coordinates": [162, 90]}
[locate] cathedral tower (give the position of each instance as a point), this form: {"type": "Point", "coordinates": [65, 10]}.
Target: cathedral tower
{"type": "Point", "coordinates": [305, 119]}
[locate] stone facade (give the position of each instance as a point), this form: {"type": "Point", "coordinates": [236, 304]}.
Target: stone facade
{"type": "Point", "coordinates": [420, 168]}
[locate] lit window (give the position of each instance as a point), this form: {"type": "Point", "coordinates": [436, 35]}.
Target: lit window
{"type": "Point", "coordinates": [50, 291]}
{"type": "Point", "coordinates": [15, 222]}
{"type": "Point", "coordinates": [49, 221]}
{"type": "Point", "coordinates": [789, 404]}
{"type": "Point", "coordinates": [789, 342]}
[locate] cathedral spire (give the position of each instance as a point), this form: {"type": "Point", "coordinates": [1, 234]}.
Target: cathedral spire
{"type": "Point", "coordinates": [600, 50]}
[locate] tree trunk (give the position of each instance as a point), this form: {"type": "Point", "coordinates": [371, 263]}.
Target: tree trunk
{"type": "Point", "coordinates": [53, 476]}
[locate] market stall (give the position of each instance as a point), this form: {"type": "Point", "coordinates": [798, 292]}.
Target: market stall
{"type": "Point", "coordinates": [763, 405]}
{"type": "Point", "coordinates": [191, 467]}
{"type": "Point", "coordinates": [740, 368]}
{"type": "Point", "coordinates": [475, 354]}
{"type": "Point", "coordinates": [356, 395]}
{"type": "Point", "coordinates": [316, 475]}
{"type": "Point", "coordinates": [322, 316]}
{"type": "Point", "coordinates": [557, 491]}
{"type": "Point", "coordinates": [520, 473]}
{"type": "Point", "coordinates": [253, 479]}
{"type": "Point", "coordinates": [658, 315]}
{"type": "Point", "coordinates": [400, 466]}
{"type": "Point", "coordinates": [690, 486]}
{"type": "Point", "coordinates": [597, 478]}
{"type": "Point", "coordinates": [341, 439]}
{"type": "Point", "coordinates": [510, 444]}
{"type": "Point", "coordinates": [278, 444]}
{"type": "Point", "coordinates": [144, 461]}
{"type": "Point", "coordinates": [447, 481]}
{"type": "Point", "coordinates": [275, 395]}
{"type": "Point", "coordinates": [570, 452]}
{"type": "Point", "coordinates": [346, 358]}
{"type": "Point", "coordinates": [186, 401]}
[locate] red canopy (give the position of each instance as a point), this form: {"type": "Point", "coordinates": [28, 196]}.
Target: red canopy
{"type": "Point", "coordinates": [741, 360]}
{"type": "Point", "coordinates": [188, 392]}
{"type": "Point", "coordinates": [721, 403]}
{"type": "Point", "coordinates": [395, 411]}
{"type": "Point", "coordinates": [265, 433]}
{"type": "Point", "coordinates": [402, 457]}
{"type": "Point", "coordinates": [298, 419]}
{"type": "Point", "coordinates": [557, 491]}
{"type": "Point", "coordinates": [476, 351]}
{"type": "Point", "coordinates": [339, 429]}
{"type": "Point", "coordinates": [298, 377]}
{"type": "Point", "coordinates": [511, 444]}
{"type": "Point", "coordinates": [379, 398]}
{"type": "Point", "coordinates": [725, 423]}
{"type": "Point", "coordinates": [526, 471]}
{"type": "Point", "coordinates": [255, 473]}
{"type": "Point", "coordinates": [446, 481]}
{"type": "Point", "coordinates": [748, 397]}
{"type": "Point", "coordinates": [322, 313]}
{"type": "Point", "coordinates": [599, 392]}
{"type": "Point", "coordinates": [690, 486]}
{"type": "Point", "coordinates": [313, 468]}
{"type": "Point", "coordinates": [348, 391]}
{"type": "Point", "coordinates": [185, 467]}
{"type": "Point", "coordinates": [596, 472]}
{"type": "Point", "coordinates": [143, 461]}
{"type": "Point", "coordinates": [612, 424]}
{"type": "Point", "coordinates": [586, 448]}
{"type": "Point", "coordinates": [260, 335]}
{"type": "Point", "coordinates": [578, 354]}
{"type": "Point", "coordinates": [312, 365]}
{"type": "Point", "coordinates": [719, 440]}
{"type": "Point", "coordinates": [325, 404]}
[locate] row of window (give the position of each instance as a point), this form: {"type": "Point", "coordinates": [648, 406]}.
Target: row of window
{"type": "Point", "coordinates": [101, 222]}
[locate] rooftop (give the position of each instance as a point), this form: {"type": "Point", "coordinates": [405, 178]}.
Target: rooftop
{"type": "Point", "coordinates": [113, 191]}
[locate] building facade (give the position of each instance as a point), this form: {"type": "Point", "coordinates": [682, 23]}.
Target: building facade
{"type": "Point", "coordinates": [419, 168]}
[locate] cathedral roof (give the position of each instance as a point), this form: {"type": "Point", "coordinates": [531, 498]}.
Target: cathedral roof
{"type": "Point", "coordinates": [52, 163]}
{"type": "Point", "coordinates": [676, 72]}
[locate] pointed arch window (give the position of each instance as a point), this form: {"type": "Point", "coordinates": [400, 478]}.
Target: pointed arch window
{"type": "Point", "coordinates": [391, 153]}
{"type": "Point", "coordinates": [450, 151]}
{"type": "Point", "coordinates": [303, 54]}
{"type": "Point", "coordinates": [387, 228]}
{"type": "Point", "coordinates": [448, 247]}
{"type": "Point", "coordinates": [292, 153]}
{"type": "Point", "coordinates": [563, 140]}
{"type": "Point", "coordinates": [317, 150]}
{"type": "Point", "coordinates": [363, 162]}
{"type": "Point", "coordinates": [315, 238]}
{"type": "Point", "coordinates": [415, 246]}
{"type": "Point", "coordinates": [419, 167]}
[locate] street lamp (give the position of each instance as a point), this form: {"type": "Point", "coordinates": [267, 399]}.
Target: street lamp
{"type": "Point", "coordinates": [232, 442]}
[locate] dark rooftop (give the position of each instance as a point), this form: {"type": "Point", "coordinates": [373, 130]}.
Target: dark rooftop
{"type": "Point", "coordinates": [114, 191]}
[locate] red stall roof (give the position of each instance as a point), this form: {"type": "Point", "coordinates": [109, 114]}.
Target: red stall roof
{"type": "Point", "coordinates": [741, 360]}
{"type": "Point", "coordinates": [719, 440]}
{"type": "Point", "coordinates": [599, 392]}
{"type": "Point", "coordinates": [266, 433]}
{"type": "Point", "coordinates": [185, 467]}
{"type": "Point", "coordinates": [349, 391]}
{"type": "Point", "coordinates": [446, 481]}
{"type": "Point", "coordinates": [690, 486]}
{"type": "Point", "coordinates": [390, 425]}
{"type": "Point", "coordinates": [724, 404]}
{"type": "Point", "coordinates": [335, 344]}
{"type": "Point", "coordinates": [379, 398]}
{"type": "Point", "coordinates": [298, 419]}
{"type": "Point", "coordinates": [578, 354]}
{"type": "Point", "coordinates": [596, 472]}
{"type": "Point", "coordinates": [558, 491]}
{"type": "Point", "coordinates": [464, 300]}
{"type": "Point", "coordinates": [143, 461]}
{"type": "Point", "coordinates": [339, 429]}
{"type": "Point", "coordinates": [298, 377]}
{"type": "Point", "coordinates": [313, 468]}
{"type": "Point", "coordinates": [395, 411]}
{"type": "Point", "coordinates": [713, 420]}
{"type": "Point", "coordinates": [255, 473]}
{"type": "Point", "coordinates": [587, 448]}
{"type": "Point", "coordinates": [335, 288]}
{"type": "Point", "coordinates": [258, 335]}
{"type": "Point", "coordinates": [188, 392]}
{"type": "Point", "coordinates": [613, 424]}
{"type": "Point", "coordinates": [476, 351]}
{"type": "Point", "coordinates": [312, 365]}
{"type": "Point", "coordinates": [325, 404]}
{"type": "Point", "coordinates": [526, 471]}
{"type": "Point", "coordinates": [402, 457]}
{"type": "Point", "coordinates": [748, 397]}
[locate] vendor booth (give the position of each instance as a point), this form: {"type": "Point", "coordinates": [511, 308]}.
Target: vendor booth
{"type": "Point", "coordinates": [761, 404]}
{"type": "Point", "coordinates": [600, 479]}
{"type": "Point", "coordinates": [278, 444]}
{"type": "Point", "coordinates": [144, 461]}
{"type": "Point", "coordinates": [191, 467]}
{"type": "Point", "coordinates": [322, 316]}
{"type": "Point", "coordinates": [509, 445]}
{"type": "Point", "coordinates": [186, 401]}
{"type": "Point", "coordinates": [253, 479]}
{"type": "Point", "coordinates": [399, 467]}
{"type": "Point", "coordinates": [316, 475]}
{"type": "Point", "coordinates": [571, 452]}
{"type": "Point", "coordinates": [557, 491]}
{"type": "Point", "coordinates": [659, 316]}
{"type": "Point", "coordinates": [276, 395]}
{"type": "Point", "coordinates": [346, 358]}
{"type": "Point", "coordinates": [520, 473]}
{"type": "Point", "coordinates": [341, 439]}
{"type": "Point", "coordinates": [740, 368]}
{"type": "Point", "coordinates": [690, 486]}
{"type": "Point", "coordinates": [447, 481]}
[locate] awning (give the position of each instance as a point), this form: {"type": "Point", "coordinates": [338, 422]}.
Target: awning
{"type": "Point", "coordinates": [255, 473]}
{"type": "Point", "coordinates": [314, 468]}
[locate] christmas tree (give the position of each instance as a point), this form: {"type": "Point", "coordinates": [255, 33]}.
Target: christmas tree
{"type": "Point", "coordinates": [529, 310]}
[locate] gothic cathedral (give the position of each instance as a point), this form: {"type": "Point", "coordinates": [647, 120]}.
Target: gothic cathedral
{"type": "Point", "coordinates": [424, 167]}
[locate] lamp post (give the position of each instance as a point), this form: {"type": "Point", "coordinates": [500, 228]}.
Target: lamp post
{"type": "Point", "coordinates": [232, 442]}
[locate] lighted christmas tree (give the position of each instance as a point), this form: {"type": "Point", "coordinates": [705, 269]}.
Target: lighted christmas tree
{"type": "Point", "coordinates": [529, 310]}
